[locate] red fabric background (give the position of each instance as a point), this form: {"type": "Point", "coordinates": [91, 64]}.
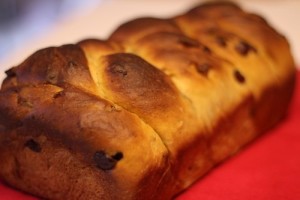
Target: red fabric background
{"type": "Point", "coordinates": [269, 168]}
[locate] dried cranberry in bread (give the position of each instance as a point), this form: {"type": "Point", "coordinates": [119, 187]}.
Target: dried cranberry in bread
{"type": "Point", "coordinates": [147, 112]}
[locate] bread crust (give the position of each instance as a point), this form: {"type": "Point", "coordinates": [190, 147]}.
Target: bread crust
{"type": "Point", "coordinates": [147, 112]}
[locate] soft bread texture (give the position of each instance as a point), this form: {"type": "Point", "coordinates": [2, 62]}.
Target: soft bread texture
{"type": "Point", "coordinates": [147, 112]}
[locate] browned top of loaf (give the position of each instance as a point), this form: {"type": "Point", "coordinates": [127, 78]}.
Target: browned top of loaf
{"type": "Point", "coordinates": [157, 83]}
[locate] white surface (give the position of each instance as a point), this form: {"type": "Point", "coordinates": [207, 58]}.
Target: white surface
{"type": "Point", "coordinates": [101, 20]}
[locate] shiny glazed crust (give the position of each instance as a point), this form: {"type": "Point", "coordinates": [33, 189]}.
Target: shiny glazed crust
{"type": "Point", "coordinates": [147, 112]}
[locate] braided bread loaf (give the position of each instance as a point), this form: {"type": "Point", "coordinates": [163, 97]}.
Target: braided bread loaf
{"type": "Point", "coordinates": [147, 112]}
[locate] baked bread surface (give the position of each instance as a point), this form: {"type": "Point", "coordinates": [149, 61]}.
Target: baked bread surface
{"type": "Point", "coordinates": [147, 112]}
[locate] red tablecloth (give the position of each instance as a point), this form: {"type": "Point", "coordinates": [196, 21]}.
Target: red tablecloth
{"type": "Point", "coordinates": [267, 169]}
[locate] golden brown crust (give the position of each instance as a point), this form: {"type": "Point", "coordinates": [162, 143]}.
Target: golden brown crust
{"type": "Point", "coordinates": [132, 30]}
{"type": "Point", "coordinates": [86, 132]}
{"type": "Point", "coordinates": [147, 112]}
